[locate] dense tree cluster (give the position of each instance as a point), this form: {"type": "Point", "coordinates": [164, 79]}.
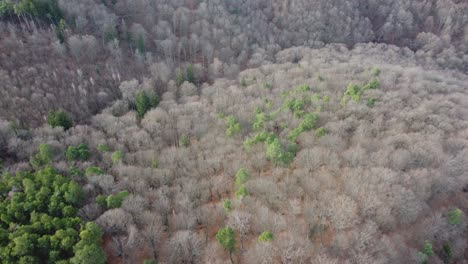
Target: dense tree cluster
{"type": "Point", "coordinates": [39, 222]}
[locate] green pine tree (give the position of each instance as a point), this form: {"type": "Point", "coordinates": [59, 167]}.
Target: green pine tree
{"type": "Point", "coordinates": [226, 238]}
{"type": "Point", "coordinates": [142, 104]}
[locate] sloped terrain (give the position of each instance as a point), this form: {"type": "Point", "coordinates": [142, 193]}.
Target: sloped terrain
{"type": "Point", "coordinates": [73, 55]}
{"type": "Point", "coordinates": [345, 156]}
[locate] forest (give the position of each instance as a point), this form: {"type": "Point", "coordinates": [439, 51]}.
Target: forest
{"type": "Point", "coordinates": [222, 131]}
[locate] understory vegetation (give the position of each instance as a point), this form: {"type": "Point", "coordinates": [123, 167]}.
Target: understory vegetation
{"type": "Point", "coordinates": [233, 131]}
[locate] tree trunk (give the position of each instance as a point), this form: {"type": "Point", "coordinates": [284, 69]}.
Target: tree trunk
{"type": "Point", "coordinates": [153, 249]}
{"type": "Point", "coordinates": [242, 243]}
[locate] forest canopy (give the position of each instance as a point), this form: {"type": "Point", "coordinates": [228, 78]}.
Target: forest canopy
{"type": "Point", "coordinates": [39, 220]}
{"type": "Point", "coordinates": [247, 131]}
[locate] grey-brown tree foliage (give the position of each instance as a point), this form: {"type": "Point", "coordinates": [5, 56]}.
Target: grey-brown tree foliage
{"type": "Point", "coordinates": [369, 191]}
{"type": "Point", "coordinates": [125, 245]}
{"type": "Point", "coordinates": [153, 232]}
{"type": "Point", "coordinates": [185, 247]}
{"type": "Point", "coordinates": [240, 221]}
{"type": "Point", "coordinates": [115, 221]}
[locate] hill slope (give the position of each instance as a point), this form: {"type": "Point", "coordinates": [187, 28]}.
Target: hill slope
{"type": "Point", "coordinates": [348, 156]}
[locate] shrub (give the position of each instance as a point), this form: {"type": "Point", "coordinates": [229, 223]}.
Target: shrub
{"type": "Point", "coordinates": [275, 151]}
{"type": "Point", "coordinates": [221, 115]}
{"type": "Point", "coordinates": [259, 137]}
{"type": "Point", "coordinates": [71, 153]}
{"type": "Point", "coordinates": [117, 157]}
{"type": "Point", "coordinates": [142, 104]}
{"type": "Point", "coordinates": [303, 88]}
{"type": "Point", "coordinates": [296, 106]}
{"type": "Point", "coordinates": [232, 126]}
{"type": "Point", "coordinates": [320, 132]}
{"type": "Point", "coordinates": [326, 99]}
{"type": "Point", "coordinates": [101, 201]}
{"type": "Point", "coordinates": [241, 192]}
{"type": "Point", "coordinates": [454, 216]}
{"type": "Point", "coordinates": [115, 201]}
{"type": "Point", "coordinates": [266, 236]}
{"type": "Point", "coordinates": [43, 157]}
{"type": "Point", "coordinates": [59, 118]}
{"type": "Point", "coordinates": [83, 151]}
{"type": "Point", "coordinates": [227, 205]}
{"type": "Point", "coordinates": [140, 45]}
{"type": "Point", "coordinates": [259, 122]}
{"type": "Point", "coordinates": [154, 164]}
{"type": "Point", "coordinates": [93, 170]}
{"type": "Point", "coordinates": [145, 101]}
{"type": "Point", "coordinates": [243, 82]}
{"type": "Point", "coordinates": [75, 172]}
{"type": "Point", "coordinates": [426, 253]}
{"type": "Point", "coordinates": [153, 99]}
{"type": "Point", "coordinates": [354, 92]}
{"type": "Point", "coordinates": [422, 258]}
{"type": "Point", "coordinates": [180, 78]}
{"type": "Point", "coordinates": [427, 250]}
{"type": "Point", "coordinates": [80, 152]}
{"type": "Point", "coordinates": [102, 148]}
{"type": "Point", "coordinates": [374, 84]}
{"type": "Point", "coordinates": [447, 253]}
{"type": "Point", "coordinates": [184, 141]}
{"type": "Point", "coordinates": [60, 30]}
{"type": "Point", "coordinates": [226, 238]}
{"type": "Point", "coordinates": [309, 122]}
{"type": "Point", "coordinates": [277, 154]}
{"type": "Point", "coordinates": [111, 35]}
{"type": "Point", "coordinates": [375, 71]}
{"type": "Point", "coordinates": [371, 102]}
{"type": "Point", "coordinates": [315, 98]}
{"type": "Point", "coordinates": [268, 104]}
{"type": "Point", "coordinates": [267, 86]}
{"type": "Point", "coordinates": [242, 176]}
{"type": "Point", "coordinates": [188, 75]}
